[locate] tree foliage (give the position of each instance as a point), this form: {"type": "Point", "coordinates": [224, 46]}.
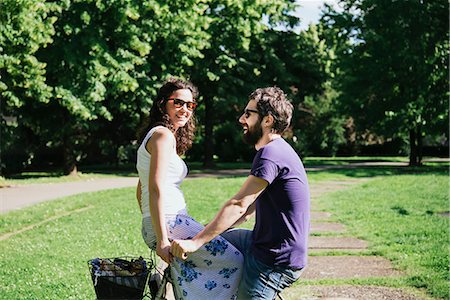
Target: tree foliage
{"type": "Point", "coordinates": [393, 67]}
{"type": "Point", "coordinates": [82, 73]}
{"type": "Point", "coordinates": [228, 71]}
{"type": "Point", "coordinates": [77, 77]}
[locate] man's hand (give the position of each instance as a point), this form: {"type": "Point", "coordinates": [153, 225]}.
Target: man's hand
{"type": "Point", "coordinates": [163, 251]}
{"type": "Point", "coordinates": [181, 248]}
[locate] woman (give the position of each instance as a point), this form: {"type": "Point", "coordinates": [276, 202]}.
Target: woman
{"type": "Point", "coordinates": [214, 270]}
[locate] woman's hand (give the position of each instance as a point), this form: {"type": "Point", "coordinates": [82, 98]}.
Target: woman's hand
{"type": "Point", "coordinates": [181, 248]}
{"type": "Point", "coordinates": [163, 251]}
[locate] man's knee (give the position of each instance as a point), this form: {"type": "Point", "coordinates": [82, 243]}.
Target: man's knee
{"type": "Point", "coordinates": [261, 281]}
{"type": "Point", "coordinates": [240, 238]}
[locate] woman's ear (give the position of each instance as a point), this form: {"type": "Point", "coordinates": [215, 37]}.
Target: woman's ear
{"type": "Point", "coordinates": [162, 106]}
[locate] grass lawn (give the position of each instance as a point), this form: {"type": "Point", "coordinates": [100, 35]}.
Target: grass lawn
{"type": "Point", "coordinates": [405, 219]}
{"type": "Point", "coordinates": [395, 213]}
{"type": "Point", "coordinates": [100, 171]}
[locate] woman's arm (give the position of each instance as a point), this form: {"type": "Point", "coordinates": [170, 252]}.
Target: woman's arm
{"type": "Point", "coordinates": [160, 146]}
{"type": "Point", "coordinates": [139, 195]}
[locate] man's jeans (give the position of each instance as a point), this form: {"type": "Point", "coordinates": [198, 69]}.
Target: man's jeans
{"type": "Point", "coordinates": [259, 281]}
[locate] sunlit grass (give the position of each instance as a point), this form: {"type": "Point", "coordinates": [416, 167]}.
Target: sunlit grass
{"type": "Point", "coordinates": [401, 218]}
{"type": "Point", "coordinates": [337, 164]}
{"type": "Point", "coordinates": [397, 214]}
{"type": "Point", "coordinates": [50, 260]}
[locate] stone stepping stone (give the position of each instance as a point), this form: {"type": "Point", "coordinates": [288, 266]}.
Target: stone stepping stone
{"type": "Point", "coordinates": [347, 292]}
{"type": "Point", "coordinates": [320, 215]}
{"type": "Point", "coordinates": [321, 227]}
{"type": "Point", "coordinates": [336, 243]}
{"type": "Point", "coordinates": [315, 206]}
{"type": "Point", "coordinates": [348, 267]}
{"type": "Point", "coordinates": [318, 189]}
{"type": "Point", "coordinates": [324, 251]}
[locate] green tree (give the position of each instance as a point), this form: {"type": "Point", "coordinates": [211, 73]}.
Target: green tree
{"type": "Point", "coordinates": [299, 64]}
{"type": "Point", "coordinates": [393, 67]}
{"type": "Point", "coordinates": [127, 48]}
{"type": "Point", "coordinates": [92, 66]}
{"type": "Point", "coordinates": [226, 72]}
{"type": "Point", "coordinates": [306, 75]}
{"type": "Point", "coordinates": [26, 27]}
{"type": "Point", "coordinates": [78, 76]}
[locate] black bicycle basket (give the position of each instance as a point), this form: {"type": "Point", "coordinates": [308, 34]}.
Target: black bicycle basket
{"type": "Point", "coordinates": [120, 277]}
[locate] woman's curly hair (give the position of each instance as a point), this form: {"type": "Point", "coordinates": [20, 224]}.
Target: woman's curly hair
{"type": "Point", "coordinates": [158, 116]}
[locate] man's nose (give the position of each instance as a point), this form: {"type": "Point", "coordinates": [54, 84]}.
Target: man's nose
{"type": "Point", "coordinates": [241, 119]}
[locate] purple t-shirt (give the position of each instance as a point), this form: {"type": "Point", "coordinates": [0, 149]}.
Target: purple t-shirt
{"type": "Point", "coordinates": [280, 235]}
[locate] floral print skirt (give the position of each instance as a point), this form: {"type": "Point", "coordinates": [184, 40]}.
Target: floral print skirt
{"type": "Point", "coordinates": [212, 272]}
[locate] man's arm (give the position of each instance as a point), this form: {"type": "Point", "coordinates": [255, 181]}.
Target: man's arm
{"type": "Point", "coordinates": [233, 210]}
{"type": "Point", "coordinates": [248, 214]}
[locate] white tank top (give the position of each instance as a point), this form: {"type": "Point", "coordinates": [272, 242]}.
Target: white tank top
{"type": "Point", "coordinates": [173, 196]}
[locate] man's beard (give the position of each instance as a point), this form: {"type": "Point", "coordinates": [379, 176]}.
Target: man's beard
{"type": "Point", "coordinates": [253, 135]}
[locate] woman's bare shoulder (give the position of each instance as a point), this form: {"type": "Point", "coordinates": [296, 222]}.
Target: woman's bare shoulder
{"type": "Point", "coordinates": [162, 133]}
{"type": "Point", "coordinates": [161, 136]}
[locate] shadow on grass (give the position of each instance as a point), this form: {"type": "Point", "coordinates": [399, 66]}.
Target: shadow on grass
{"type": "Point", "coordinates": [198, 166]}
{"type": "Point", "coordinates": [124, 171]}
{"type": "Point", "coordinates": [336, 166]}
{"type": "Point", "coordinates": [373, 171]}
{"type": "Point", "coordinates": [35, 175]}
{"type": "Point", "coordinates": [345, 161]}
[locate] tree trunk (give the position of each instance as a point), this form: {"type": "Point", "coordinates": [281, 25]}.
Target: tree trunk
{"type": "Point", "coordinates": [208, 159]}
{"type": "Point", "coordinates": [419, 145]}
{"type": "Point", "coordinates": [70, 166]}
{"type": "Point", "coordinates": [415, 146]}
{"type": "Point", "coordinates": [412, 147]}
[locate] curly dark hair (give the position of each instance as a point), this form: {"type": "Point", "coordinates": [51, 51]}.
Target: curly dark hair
{"type": "Point", "coordinates": [273, 101]}
{"type": "Point", "coordinates": [159, 117]}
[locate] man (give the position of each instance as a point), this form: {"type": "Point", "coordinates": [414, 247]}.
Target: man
{"type": "Point", "coordinates": [275, 251]}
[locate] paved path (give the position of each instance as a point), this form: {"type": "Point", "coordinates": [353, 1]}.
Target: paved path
{"type": "Point", "coordinates": [17, 197]}
{"type": "Point", "coordinates": [20, 196]}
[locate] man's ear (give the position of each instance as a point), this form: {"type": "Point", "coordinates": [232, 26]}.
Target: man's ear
{"type": "Point", "coordinates": [268, 121]}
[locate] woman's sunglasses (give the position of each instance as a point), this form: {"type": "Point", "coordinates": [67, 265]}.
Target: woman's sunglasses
{"type": "Point", "coordinates": [178, 103]}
